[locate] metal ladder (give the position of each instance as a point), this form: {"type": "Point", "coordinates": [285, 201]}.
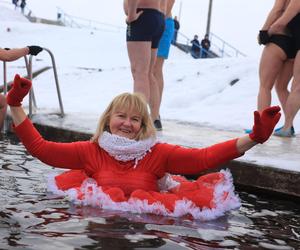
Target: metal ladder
{"type": "Point", "coordinates": [32, 100]}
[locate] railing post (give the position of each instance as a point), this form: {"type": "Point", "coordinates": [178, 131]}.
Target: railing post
{"type": "Point", "coordinates": [209, 17]}
{"type": "Point", "coordinates": [31, 93]}
{"type": "Point", "coordinates": [5, 122]}
{"type": "Point", "coordinates": [29, 73]}
{"type": "Point", "coordinates": [56, 82]}
{"type": "Point", "coordinates": [4, 78]}
{"type": "Point", "coordinates": [223, 49]}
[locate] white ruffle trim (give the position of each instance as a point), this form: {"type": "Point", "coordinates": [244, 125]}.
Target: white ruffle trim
{"type": "Point", "coordinates": [94, 196]}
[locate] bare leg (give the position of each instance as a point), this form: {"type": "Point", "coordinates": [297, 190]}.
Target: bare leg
{"type": "Point", "coordinates": [3, 107]}
{"type": "Point", "coordinates": [270, 64]}
{"type": "Point", "coordinates": [293, 101]}
{"type": "Point", "coordinates": [154, 88]}
{"type": "Point", "coordinates": [282, 82]}
{"type": "Point", "coordinates": [158, 73]}
{"type": "Point", "coordinates": [140, 60]}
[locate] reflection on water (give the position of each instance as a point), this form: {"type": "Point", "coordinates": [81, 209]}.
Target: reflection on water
{"type": "Point", "coordinates": [31, 218]}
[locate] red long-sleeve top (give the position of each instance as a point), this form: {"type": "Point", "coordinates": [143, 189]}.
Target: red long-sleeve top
{"type": "Point", "coordinates": [109, 172]}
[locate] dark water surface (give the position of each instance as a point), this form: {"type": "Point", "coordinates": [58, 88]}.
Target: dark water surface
{"type": "Point", "coordinates": [31, 218]}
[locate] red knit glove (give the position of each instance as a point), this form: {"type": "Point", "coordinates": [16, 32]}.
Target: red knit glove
{"type": "Point", "coordinates": [19, 90]}
{"type": "Point", "coordinates": [264, 124]}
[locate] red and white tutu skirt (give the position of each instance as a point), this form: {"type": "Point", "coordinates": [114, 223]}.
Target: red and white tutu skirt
{"type": "Point", "coordinates": [206, 198]}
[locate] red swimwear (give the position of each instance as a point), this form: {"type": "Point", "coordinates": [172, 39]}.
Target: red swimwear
{"type": "Point", "coordinates": [97, 179]}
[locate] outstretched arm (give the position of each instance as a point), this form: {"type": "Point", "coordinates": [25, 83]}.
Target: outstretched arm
{"type": "Point", "coordinates": [14, 54]}
{"type": "Point", "coordinates": [63, 155]}
{"type": "Point", "coordinates": [245, 143]}
{"type": "Point", "coordinates": [192, 161]}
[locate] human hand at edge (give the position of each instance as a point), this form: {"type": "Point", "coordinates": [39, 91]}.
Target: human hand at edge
{"type": "Point", "coordinates": [34, 50]}
{"type": "Point", "coordinates": [132, 18]}
{"type": "Point", "coordinates": [263, 37]}
{"type": "Point", "coordinates": [19, 90]}
{"type": "Point", "coordinates": [276, 28]}
{"type": "Point", "coordinates": [264, 124]}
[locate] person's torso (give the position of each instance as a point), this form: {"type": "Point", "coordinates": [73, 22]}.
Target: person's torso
{"type": "Point", "coordinates": [150, 4]}
{"type": "Point", "coordinates": [166, 7]}
{"type": "Point", "coordinates": [205, 43]}
{"type": "Point", "coordinates": [108, 172]}
{"type": "Point", "coordinates": [195, 45]}
{"type": "Point", "coordinates": [145, 4]}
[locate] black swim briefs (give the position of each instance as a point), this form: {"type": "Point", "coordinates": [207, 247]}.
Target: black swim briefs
{"type": "Point", "coordinates": [148, 27]}
{"type": "Point", "coordinates": [286, 43]}
{"type": "Point", "coordinates": [294, 27]}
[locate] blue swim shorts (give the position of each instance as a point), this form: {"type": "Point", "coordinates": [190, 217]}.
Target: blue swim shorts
{"type": "Point", "coordinates": [166, 39]}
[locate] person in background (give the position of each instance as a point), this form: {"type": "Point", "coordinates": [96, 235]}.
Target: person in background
{"type": "Point", "coordinates": [126, 161]}
{"type": "Point", "coordinates": [145, 26]}
{"type": "Point", "coordinates": [15, 3]}
{"type": "Point", "coordinates": [176, 29]}
{"type": "Point", "coordinates": [162, 54]}
{"type": "Point", "coordinates": [290, 19]}
{"type": "Point", "coordinates": [195, 50]}
{"type": "Point", "coordinates": [205, 45]}
{"type": "Point", "coordinates": [276, 63]}
{"type": "Point", "coordinates": [22, 6]}
{"type": "Point", "coordinates": [9, 55]}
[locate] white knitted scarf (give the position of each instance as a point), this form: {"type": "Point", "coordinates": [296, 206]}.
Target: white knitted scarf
{"type": "Point", "coordinates": [124, 149]}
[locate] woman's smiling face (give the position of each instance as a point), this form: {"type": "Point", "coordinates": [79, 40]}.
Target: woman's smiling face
{"type": "Point", "coordinates": [125, 123]}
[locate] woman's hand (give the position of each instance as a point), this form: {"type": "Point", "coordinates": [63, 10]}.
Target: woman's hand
{"type": "Point", "coordinates": [264, 124]}
{"type": "Point", "coordinates": [20, 88]}
{"type": "Point", "coordinates": [276, 28]}
{"type": "Point", "coordinates": [263, 37]}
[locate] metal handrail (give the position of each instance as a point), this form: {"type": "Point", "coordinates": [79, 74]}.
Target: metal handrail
{"type": "Point", "coordinates": [31, 93]}
{"type": "Point", "coordinates": [32, 100]}
{"type": "Point", "coordinates": [29, 74]}
{"type": "Point", "coordinates": [226, 44]}
{"type": "Point", "coordinates": [80, 22]}
{"type": "Point", "coordinates": [218, 50]}
{"type": "Point", "coordinates": [5, 125]}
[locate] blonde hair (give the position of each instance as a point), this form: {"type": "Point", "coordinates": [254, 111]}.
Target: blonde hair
{"type": "Point", "coordinates": [127, 101]}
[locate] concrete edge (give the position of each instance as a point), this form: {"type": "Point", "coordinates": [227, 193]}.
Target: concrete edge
{"type": "Point", "coordinates": [249, 175]}
{"type": "Point", "coordinates": [265, 178]}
